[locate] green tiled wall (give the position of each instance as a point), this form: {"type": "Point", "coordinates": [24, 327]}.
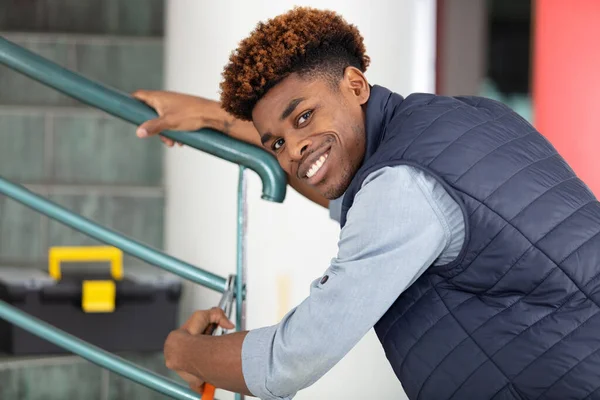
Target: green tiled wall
{"type": "Point", "coordinates": [125, 63]}
{"type": "Point", "coordinates": [119, 157]}
{"type": "Point", "coordinates": [58, 379]}
{"type": "Point", "coordinates": [50, 147]}
{"type": "Point", "coordinates": [71, 377]}
{"type": "Point", "coordinates": [22, 149]}
{"type": "Point", "coordinates": [21, 234]}
{"type": "Point", "coordinates": [139, 17]}
{"type": "Point", "coordinates": [121, 388]}
{"type": "Point", "coordinates": [114, 17]}
{"type": "Point", "coordinates": [80, 158]}
{"type": "Point", "coordinates": [18, 89]}
{"type": "Point", "coordinates": [86, 161]}
{"type": "Point", "coordinates": [134, 216]}
{"type": "Point", "coordinates": [138, 217]}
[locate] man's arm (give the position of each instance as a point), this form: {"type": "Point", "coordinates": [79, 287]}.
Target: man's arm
{"type": "Point", "coordinates": [182, 112]}
{"type": "Point", "coordinates": [393, 233]}
{"type": "Point", "coordinates": [213, 359]}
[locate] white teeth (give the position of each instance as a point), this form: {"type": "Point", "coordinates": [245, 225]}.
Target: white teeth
{"type": "Point", "coordinates": [316, 166]}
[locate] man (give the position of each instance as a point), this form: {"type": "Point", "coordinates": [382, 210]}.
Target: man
{"type": "Point", "coordinates": [467, 242]}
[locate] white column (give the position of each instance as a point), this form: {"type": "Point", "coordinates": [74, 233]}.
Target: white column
{"type": "Point", "coordinates": [289, 244]}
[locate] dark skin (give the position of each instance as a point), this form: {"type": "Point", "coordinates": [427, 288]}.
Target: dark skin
{"type": "Point", "coordinates": [319, 121]}
{"type": "Point", "coordinates": [301, 120]}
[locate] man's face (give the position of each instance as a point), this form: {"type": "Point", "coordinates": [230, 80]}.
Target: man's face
{"type": "Point", "coordinates": [317, 132]}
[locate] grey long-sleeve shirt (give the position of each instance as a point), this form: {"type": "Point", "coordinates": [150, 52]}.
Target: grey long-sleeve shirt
{"type": "Point", "coordinates": [402, 221]}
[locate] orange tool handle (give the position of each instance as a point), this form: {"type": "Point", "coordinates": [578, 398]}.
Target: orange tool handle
{"type": "Point", "coordinates": [209, 392]}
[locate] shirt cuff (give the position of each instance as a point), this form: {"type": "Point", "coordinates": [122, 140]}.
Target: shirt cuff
{"type": "Point", "coordinates": [256, 362]}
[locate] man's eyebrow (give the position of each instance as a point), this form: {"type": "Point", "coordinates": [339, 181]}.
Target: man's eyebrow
{"type": "Point", "coordinates": [290, 108]}
{"type": "Point", "coordinates": [265, 138]}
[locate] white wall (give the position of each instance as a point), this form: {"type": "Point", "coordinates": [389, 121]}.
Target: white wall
{"type": "Point", "coordinates": [289, 244]}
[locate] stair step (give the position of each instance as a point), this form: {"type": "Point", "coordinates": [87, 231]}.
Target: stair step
{"type": "Point", "coordinates": [127, 64]}
{"type": "Point", "coordinates": [115, 17]}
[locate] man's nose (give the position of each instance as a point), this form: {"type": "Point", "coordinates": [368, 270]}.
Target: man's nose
{"type": "Point", "coordinates": [298, 148]}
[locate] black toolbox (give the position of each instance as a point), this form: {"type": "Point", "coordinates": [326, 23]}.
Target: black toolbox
{"type": "Point", "coordinates": [144, 310]}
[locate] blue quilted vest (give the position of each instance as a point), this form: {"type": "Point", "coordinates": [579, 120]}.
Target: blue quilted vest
{"type": "Point", "coordinates": [516, 315]}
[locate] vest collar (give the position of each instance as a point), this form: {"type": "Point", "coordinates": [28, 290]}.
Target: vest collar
{"type": "Point", "coordinates": [380, 109]}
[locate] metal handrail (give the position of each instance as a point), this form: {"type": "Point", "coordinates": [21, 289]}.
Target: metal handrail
{"type": "Point", "coordinates": [95, 354]}
{"type": "Point", "coordinates": [124, 106]}
{"type": "Point", "coordinates": [129, 109]}
{"type": "Point", "coordinates": [108, 236]}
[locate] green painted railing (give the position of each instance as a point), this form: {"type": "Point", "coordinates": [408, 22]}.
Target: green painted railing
{"type": "Point", "coordinates": [95, 354]}
{"type": "Point", "coordinates": [105, 235]}
{"type": "Point", "coordinates": [124, 106]}
{"type": "Point", "coordinates": [129, 109]}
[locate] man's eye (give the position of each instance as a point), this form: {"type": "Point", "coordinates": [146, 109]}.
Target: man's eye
{"type": "Point", "coordinates": [277, 144]}
{"type": "Point", "coordinates": [303, 118]}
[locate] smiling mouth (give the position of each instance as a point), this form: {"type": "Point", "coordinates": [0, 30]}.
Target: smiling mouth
{"type": "Point", "coordinates": [312, 171]}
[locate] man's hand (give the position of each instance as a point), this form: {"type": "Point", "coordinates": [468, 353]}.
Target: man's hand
{"type": "Point", "coordinates": [177, 112]}
{"type": "Point", "coordinates": [175, 351]}
{"type": "Point", "coordinates": [200, 320]}
{"type": "Point", "coordinates": [179, 342]}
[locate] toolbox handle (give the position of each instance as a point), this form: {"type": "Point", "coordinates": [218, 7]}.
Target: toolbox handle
{"type": "Point", "coordinates": [60, 254]}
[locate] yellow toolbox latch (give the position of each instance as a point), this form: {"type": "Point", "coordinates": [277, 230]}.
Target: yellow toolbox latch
{"type": "Point", "coordinates": [98, 296]}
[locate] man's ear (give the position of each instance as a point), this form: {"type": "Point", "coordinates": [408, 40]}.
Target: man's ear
{"type": "Point", "coordinates": [356, 82]}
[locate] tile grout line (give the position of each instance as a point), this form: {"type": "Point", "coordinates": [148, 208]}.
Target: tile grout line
{"type": "Point", "coordinates": [72, 56]}
{"type": "Point", "coordinates": [48, 145]}
{"type": "Point", "coordinates": [44, 237]}
{"type": "Point", "coordinates": [104, 384]}
{"type": "Point", "coordinates": [107, 190]}
{"type": "Point", "coordinates": [9, 363]}
{"type": "Point", "coordinates": [59, 111]}
{"type": "Point", "coordinates": [82, 38]}
{"type": "Point", "coordinates": [49, 171]}
{"type": "Point", "coordinates": [113, 10]}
